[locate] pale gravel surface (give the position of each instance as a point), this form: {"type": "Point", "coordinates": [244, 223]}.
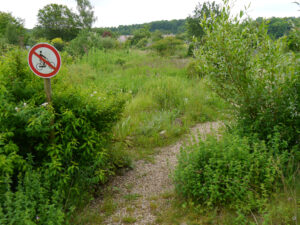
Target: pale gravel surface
{"type": "Point", "coordinates": [147, 180]}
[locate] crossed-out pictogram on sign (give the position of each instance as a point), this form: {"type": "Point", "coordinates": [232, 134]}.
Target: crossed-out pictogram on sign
{"type": "Point", "coordinates": [44, 60]}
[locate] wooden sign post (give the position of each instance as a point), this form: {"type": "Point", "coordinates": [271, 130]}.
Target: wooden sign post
{"type": "Point", "coordinates": [47, 87]}
{"type": "Point", "coordinates": [44, 61]}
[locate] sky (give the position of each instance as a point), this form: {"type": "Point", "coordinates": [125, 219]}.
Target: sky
{"type": "Point", "coordinates": [112, 13]}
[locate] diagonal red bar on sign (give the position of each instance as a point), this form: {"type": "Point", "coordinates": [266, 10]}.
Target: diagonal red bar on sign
{"type": "Point", "coordinates": [44, 60]}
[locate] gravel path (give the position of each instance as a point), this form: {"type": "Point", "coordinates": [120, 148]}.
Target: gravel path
{"type": "Point", "coordinates": [147, 180]}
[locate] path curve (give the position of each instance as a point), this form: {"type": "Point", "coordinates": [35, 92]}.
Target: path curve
{"type": "Point", "coordinates": [147, 180]}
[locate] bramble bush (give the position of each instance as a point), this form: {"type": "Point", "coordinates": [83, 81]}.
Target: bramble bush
{"type": "Point", "coordinates": [37, 168]}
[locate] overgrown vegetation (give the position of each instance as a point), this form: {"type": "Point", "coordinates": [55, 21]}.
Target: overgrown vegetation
{"type": "Point", "coordinates": [50, 152]}
{"type": "Point", "coordinates": [259, 154]}
{"type": "Point", "coordinates": [115, 102]}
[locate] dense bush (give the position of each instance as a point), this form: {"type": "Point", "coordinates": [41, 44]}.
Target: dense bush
{"type": "Point", "coordinates": [64, 143]}
{"type": "Point", "coordinates": [254, 74]}
{"type": "Point", "coordinates": [87, 40]}
{"type": "Point", "coordinates": [140, 34]}
{"type": "Point", "coordinates": [293, 40]}
{"type": "Point", "coordinates": [167, 46]}
{"type": "Point", "coordinates": [31, 203]}
{"type": "Point", "coordinates": [58, 43]}
{"type": "Point", "coordinates": [229, 172]}
{"type": "Point", "coordinates": [260, 151]}
{"type": "Point", "coordinates": [194, 70]}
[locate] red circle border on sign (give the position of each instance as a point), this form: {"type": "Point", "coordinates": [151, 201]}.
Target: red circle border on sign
{"type": "Point", "coordinates": [30, 55]}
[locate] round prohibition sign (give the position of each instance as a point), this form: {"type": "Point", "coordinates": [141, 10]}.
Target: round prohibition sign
{"type": "Point", "coordinates": [44, 60]}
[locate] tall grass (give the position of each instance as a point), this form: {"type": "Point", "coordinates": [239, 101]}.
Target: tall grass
{"type": "Point", "coordinates": [162, 102]}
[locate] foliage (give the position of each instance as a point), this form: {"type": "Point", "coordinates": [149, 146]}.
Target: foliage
{"type": "Point", "coordinates": [85, 41]}
{"type": "Point", "coordinates": [63, 144]}
{"type": "Point", "coordinates": [58, 43]}
{"type": "Point", "coordinates": [156, 36]}
{"type": "Point", "coordinates": [239, 60]}
{"type": "Point", "coordinates": [86, 15]}
{"type": "Point", "coordinates": [167, 46]}
{"type": "Point", "coordinates": [278, 27]}
{"type": "Point", "coordinates": [140, 34]}
{"type": "Point", "coordinates": [159, 96]}
{"type": "Point", "coordinates": [259, 154]}
{"type": "Point", "coordinates": [11, 28]}
{"type": "Point", "coordinates": [164, 26]}
{"type": "Point", "coordinates": [142, 43]}
{"type": "Point", "coordinates": [56, 20]}
{"type": "Point", "coordinates": [104, 32]}
{"type": "Point", "coordinates": [293, 40]}
{"type": "Point", "coordinates": [31, 202]}
{"type": "Point", "coordinates": [229, 172]}
{"type": "Point", "coordinates": [202, 11]}
{"type": "Point", "coordinates": [193, 70]}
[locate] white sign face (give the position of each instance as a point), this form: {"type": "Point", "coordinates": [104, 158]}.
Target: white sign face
{"type": "Point", "coordinates": [44, 60]}
{"type": "Point", "coordinates": [40, 65]}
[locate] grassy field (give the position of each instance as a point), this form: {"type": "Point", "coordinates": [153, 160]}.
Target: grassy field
{"type": "Point", "coordinates": [161, 101]}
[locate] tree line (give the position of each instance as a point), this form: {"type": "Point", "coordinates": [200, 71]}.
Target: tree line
{"type": "Point", "coordinates": [59, 21]}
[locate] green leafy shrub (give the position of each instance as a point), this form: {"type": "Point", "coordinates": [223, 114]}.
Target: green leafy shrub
{"type": "Point", "coordinates": [293, 40]}
{"type": "Point", "coordinates": [142, 43]}
{"type": "Point", "coordinates": [58, 43]}
{"type": "Point", "coordinates": [87, 40]}
{"type": "Point", "coordinates": [193, 70]}
{"type": "Point", "coordinates": [191, 49]}
{"type": "Point", "coordinates": [140, 34]}
{"type": "Point", "coordinates": [167, 46]}
{"type": "Point", "coordinates": [32, 203]}
{"type": "Point", "coordinates": [228, 172]}
{"type": "Point", "coordinates": [17, 78]}
{"type": "Point", "coordinates": [254, 74]}
{"type": "Point", "coordinates": [156, 35]}
{"type": "Point", "coordinates": [64, 144]}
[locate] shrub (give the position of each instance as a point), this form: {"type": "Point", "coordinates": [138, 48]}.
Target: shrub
{"type": "Point", "coordinates": [58, 43]}
{"type": "Point", "coordinates": [140, 34]}
{"type": "Point", "coordinates": [74, 158]}
{"type": "Point", "coordinates": [194, 70]}
{"type": "Point", "coordinates": [167, 46]}
{"type": "Point", "coordinates": [32, 203]}
{"type": "Point", "coordinates": [293, 40]}
{"type": "Point", "coordinates": [234, 171]}
{"type": "Point", "coordinates": [254, 74]}
{"type": "Point", "coordinates": [85, 41]}
{"type": "Point", "coordinates": [142, 43]}
{"type": "Point", "coordinates": [156, 35]}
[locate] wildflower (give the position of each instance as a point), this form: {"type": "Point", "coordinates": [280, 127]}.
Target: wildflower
{"type": "Point", "coordinates": [25, 104]}
{"type": "Point", "coordinates": [17, 109]}
{"type": "Point", "coordinates": [45, 104]}
{"type": "Point", "coordinates": [37, 217]}
{"type": "Point", "coordinates": [95, 92]}
{"type": "Point", "coordinates": [92, 95]}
